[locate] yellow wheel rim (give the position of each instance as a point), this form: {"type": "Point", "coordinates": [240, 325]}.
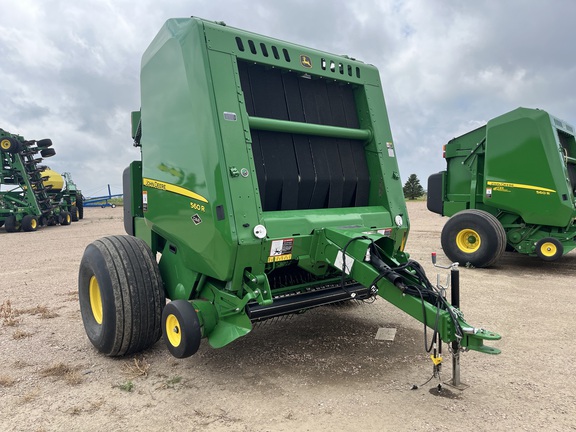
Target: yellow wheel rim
{"type": "Point", "coordinates": [5, 144]}
{"type": "Point", "coordinates": [468, 240]}
{"type": "Point", "coordinates": [95, 300]}
{"type": "Point", "coordinates": [33, 224]}
{"type": "Point", "coordinates": [548, 249]}
{"type": "Point", "coordinates": [173, 330]}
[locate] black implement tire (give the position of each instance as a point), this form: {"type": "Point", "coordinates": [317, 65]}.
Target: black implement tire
{"type": "Point", "coordinates": [12, 224]}
{"type": "Point", "coordinates": [181, 328]}
{"type": "Point", "coordinates": [29, 223]}
{"type": "Point", "coordinates": [121, 295]}
{"type": "Point", "coordinates": [549, 249]}
{"type": "Point", "coordinates": [473, 237]}
{"type": "Point", "coordinates": [64, 218]}
{"type": "Point", "coordinates": [1, 223]}
{"type": "Point", "coordinates": [10, 145]}
{"type": "Point", "coordinates": [47, 152]}
{"type": "Point", "coordinates": [44, 143]}
{"type": "Point", "coordinates": [74, 213]}
{"type": "Point", "coordinates": [80, 205]}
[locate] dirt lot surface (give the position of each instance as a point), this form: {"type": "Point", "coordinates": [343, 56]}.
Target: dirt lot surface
{"type": "Point", "coordinates": [319, 371]}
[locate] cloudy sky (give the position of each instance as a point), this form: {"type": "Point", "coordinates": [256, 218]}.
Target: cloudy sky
{"type": "Point", "coordinates": [69, 69]}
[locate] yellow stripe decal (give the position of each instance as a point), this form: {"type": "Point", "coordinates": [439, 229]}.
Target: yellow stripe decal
{"type": "Point", "coordinates": [172, 188]}
{"type": "Point", "coordinates": [519, 186]}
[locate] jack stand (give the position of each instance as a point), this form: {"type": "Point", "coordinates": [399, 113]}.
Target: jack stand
{"type": "Point", "coordinates": [455, 381]}
{"type": "Point", "coordinates": [455, 301]}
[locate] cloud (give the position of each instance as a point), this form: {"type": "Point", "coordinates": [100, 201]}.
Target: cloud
{"type": "Point", "coordinates": [70, 70]}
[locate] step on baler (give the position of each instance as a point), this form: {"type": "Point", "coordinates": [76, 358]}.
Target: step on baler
{"type": "Point", "coordinates": [28, 200]}
{"type": "Point", "coordinates": [268, 185]}
{"type": "Point", "coordinates": [508, 185]}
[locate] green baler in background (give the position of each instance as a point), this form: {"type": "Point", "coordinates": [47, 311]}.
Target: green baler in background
{"type": "Point", "coordinates": [268, 185]}
{"type": "Point", "coordinates": [508, 185]}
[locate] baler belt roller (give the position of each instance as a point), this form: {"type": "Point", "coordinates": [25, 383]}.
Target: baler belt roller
{"type": "Point", "coordinates": [274, 125]}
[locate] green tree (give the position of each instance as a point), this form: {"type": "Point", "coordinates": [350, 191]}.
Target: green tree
{"type": "Point", "coordinates": [412, 188]}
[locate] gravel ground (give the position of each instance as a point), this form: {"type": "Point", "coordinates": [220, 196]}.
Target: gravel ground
{"type": "Point", "coordinates": [319, 371]}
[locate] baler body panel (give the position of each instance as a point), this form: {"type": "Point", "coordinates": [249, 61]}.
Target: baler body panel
{"type": "Point", "coordinates": [198, 94]}
{"type": "Point", "coordinates": [182, 152]}
{"type": "Point", "coordinates": [525, 169]}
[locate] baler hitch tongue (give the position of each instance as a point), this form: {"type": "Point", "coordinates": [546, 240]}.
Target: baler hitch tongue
{"type": "Point", "coordinates": [406, 286]}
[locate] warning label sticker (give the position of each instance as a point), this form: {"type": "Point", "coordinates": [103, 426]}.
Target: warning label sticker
{"type": "Point", "coordinates": [346, 266]}
{"type": "Point", "coordinates": [145, 200]}
{"type": "Point", "coordinates": [281, 250]}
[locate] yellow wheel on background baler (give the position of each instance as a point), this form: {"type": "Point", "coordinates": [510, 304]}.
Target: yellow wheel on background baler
{"type": "Point", "coordinates": [473, 237]}
{"type": "Point", "coordinates": [468, 240]}
{"type": "Point", "coordinates": [549, 249]}
{"type": "Point", "coordinates": [181, 328]}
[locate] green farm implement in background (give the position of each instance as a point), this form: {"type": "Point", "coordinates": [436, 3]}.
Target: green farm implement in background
{"type": "Point", "coordinates": [508, 185]}
{"type": "Point", "coordinates": [268, 185]}
{"type": "Point", "coordinates": [32, 195]}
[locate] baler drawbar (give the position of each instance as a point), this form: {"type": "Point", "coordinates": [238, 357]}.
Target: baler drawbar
{"type": "Point", "coordinates": [268, 185]}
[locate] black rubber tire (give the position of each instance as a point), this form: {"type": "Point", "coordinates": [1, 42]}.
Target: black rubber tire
{"type": "Point", "coordinates": [74, 213]}
{"type": "Point", "coordinates": [52, 220]}
{"type": "Point", "coordinates": [181, 320]}
{"type": "Point", "coordinates": [549, 249]}
{"type": "Point", "coordinates": [10, 145]}
{"type": "Point", "coordinates": [44, 143]}
{"type": "Point", "coordinates": [29, 223]}
{"type": "Point", "coordinates": [11, 224]}
{"type": "Point", "coordinates": [477, 225]}
{"type": "Point", "coordinates": [64, 218]}
{"type": "Point", "coordinates": [131, 295]}
{"type": "Point", "coordinates": [1, 224]}
{"type": "Point", "coordinates": [47, 152]}
{"type": "Point", "coordinates": [80, 205]}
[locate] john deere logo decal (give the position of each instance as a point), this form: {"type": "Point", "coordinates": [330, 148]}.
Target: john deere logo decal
{"type": "Point", "coordinates": [305, 61]}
